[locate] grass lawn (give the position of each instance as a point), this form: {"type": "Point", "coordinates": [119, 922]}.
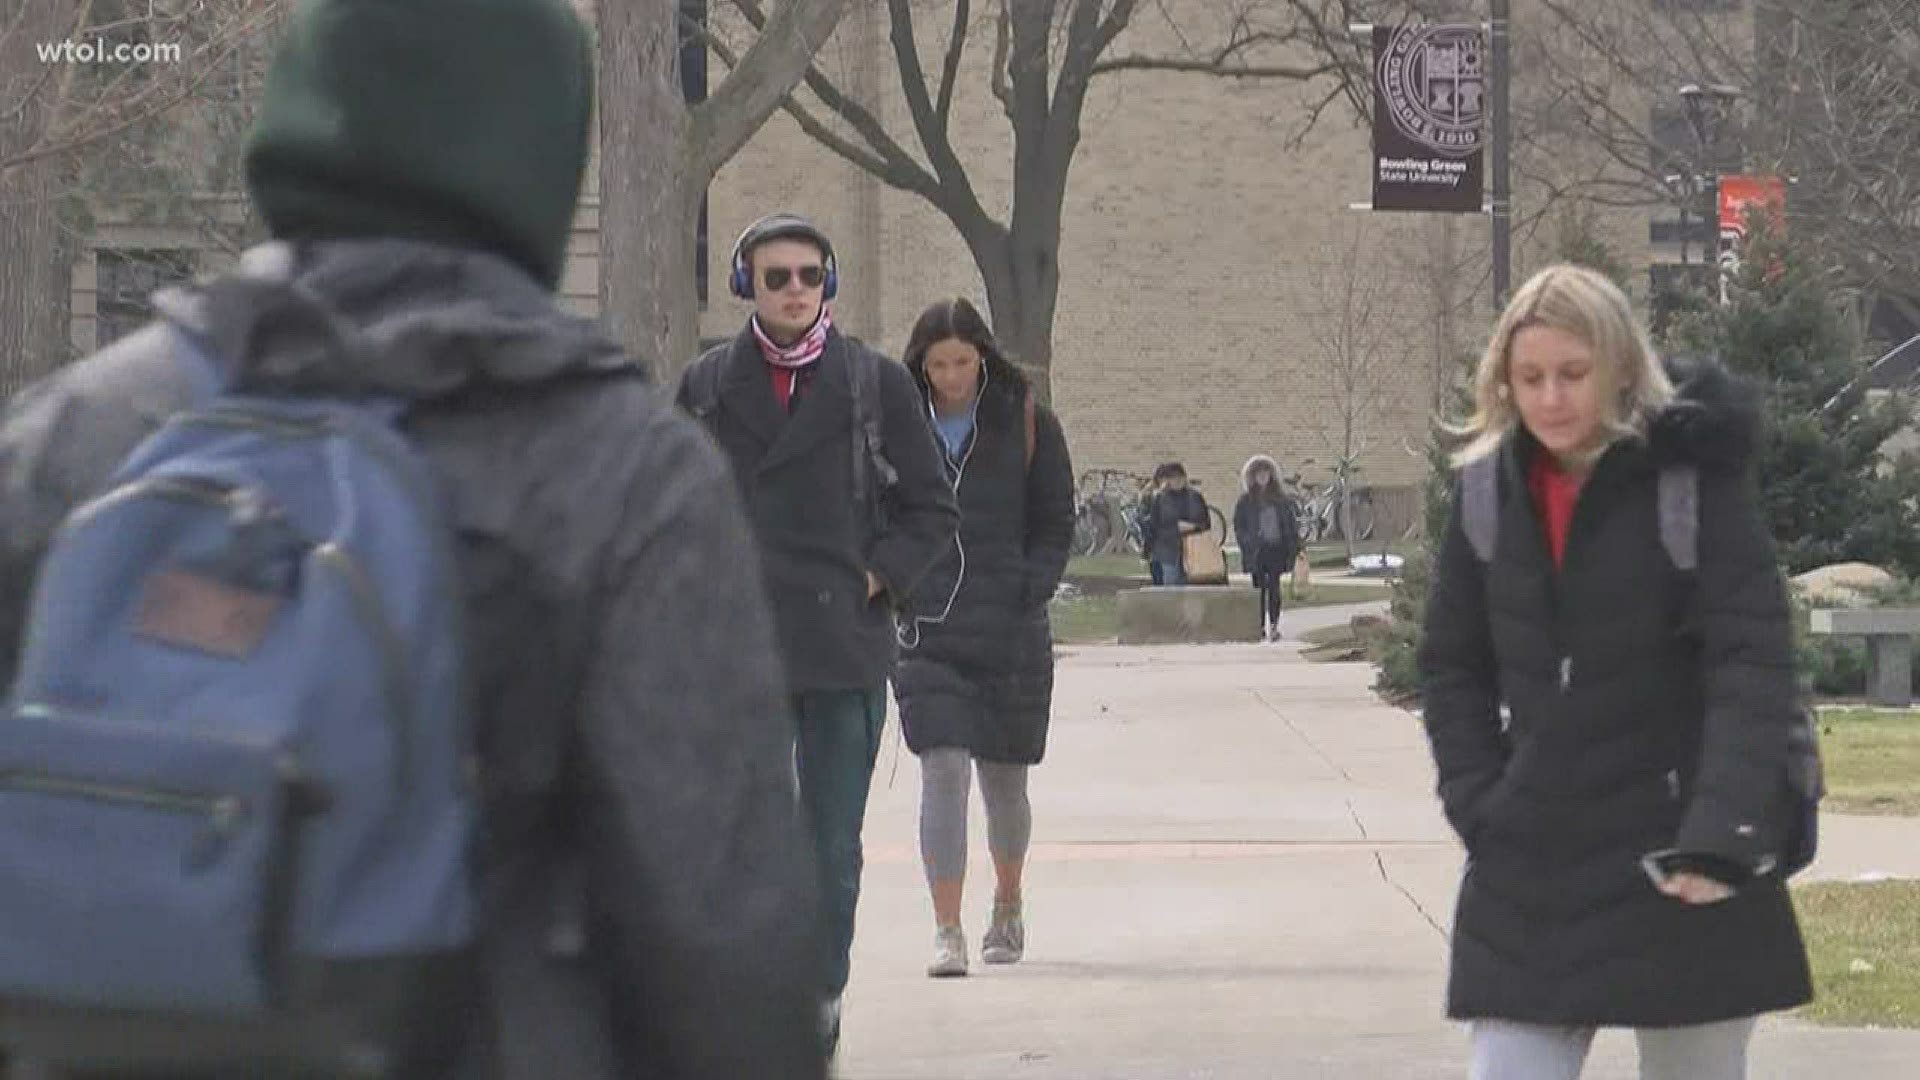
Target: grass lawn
{"type": "Point", "coordinates": [1873, 760]}
{"type": "Point", "coordinates": [1329, 594]}
{"type": "Point", "coordinates": [1088, 620]}
{"type": "Point", "coordinates": [1333, 644]}
{"type": "Point", "coordinates": [1864, 942]}
{"type": "Point", "coordinates": [1106, 566]}
{"type": "Point", "coordinates": [1125, 565]}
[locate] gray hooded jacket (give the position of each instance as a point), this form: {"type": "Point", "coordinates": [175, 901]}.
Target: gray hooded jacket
{"type": "Point", "coordinates": [630, 706]}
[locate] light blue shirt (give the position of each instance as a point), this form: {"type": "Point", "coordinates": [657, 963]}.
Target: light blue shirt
{"type": "Point", "coordinates": [954, 431]}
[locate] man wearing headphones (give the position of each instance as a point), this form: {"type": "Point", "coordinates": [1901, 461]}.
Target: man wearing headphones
{"type": "Point", "coordinates": [851, 507]}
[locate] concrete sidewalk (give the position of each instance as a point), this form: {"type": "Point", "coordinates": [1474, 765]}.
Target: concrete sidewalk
{"type": "Point", "coordinates": [1239, 872]}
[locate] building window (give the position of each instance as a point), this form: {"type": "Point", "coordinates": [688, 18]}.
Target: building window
{"type": "Point", "coordinates": [126, 280]}
{"type": "Point", "coordinates": [693, 85]}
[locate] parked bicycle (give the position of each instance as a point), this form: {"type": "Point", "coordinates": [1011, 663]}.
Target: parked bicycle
{"type": "Point", "coordinates": [1320, 509]}
{"type": "Point", "coordinates": [1106, 517]}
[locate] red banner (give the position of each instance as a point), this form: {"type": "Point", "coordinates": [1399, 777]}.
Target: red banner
{"type": "Point", "coordinates": [1739, 194]}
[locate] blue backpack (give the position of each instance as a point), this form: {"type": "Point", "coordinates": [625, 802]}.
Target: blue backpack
{"type": "Point", "coordinates": [237, 797]}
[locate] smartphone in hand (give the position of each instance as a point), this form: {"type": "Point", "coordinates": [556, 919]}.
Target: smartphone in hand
{"type": "Point", "coordinates": [1661, 865]}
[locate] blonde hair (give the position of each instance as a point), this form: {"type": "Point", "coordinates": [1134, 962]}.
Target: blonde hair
{"type": "Point", "coordinates": [1585, 304]}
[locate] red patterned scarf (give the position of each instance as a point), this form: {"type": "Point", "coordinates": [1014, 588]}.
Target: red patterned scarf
{"type": "Point", "coordinates": [800, 353]}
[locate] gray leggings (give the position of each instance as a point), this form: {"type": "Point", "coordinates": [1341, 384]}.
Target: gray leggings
{"type": "Point", "coordinates": [1503, 1050]}
{"type": "Point", "coordinates": [944, 780]}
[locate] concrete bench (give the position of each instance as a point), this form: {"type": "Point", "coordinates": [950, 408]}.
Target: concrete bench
{"type": "Point", "coordinates": [1889, 633]}
{"type": "Point", "coordinates": [1174, 614]}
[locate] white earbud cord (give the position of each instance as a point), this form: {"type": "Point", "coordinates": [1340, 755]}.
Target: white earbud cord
{"type": "Point", "coordinates": [908, 633]}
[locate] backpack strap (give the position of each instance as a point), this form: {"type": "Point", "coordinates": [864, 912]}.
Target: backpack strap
{"type": "Point", "coordinates": [702, 382]}
{"type": "Point", "coordinates": [1679, 510]}
{"type": "Point", "coordinates": [873, 474]}
{"type": "Point", "coordinates": [1030, 424]}
{"type": "Point", "coordinates": [1480, 509]}
{"type": "Point", "coordinates": [1680, 515]}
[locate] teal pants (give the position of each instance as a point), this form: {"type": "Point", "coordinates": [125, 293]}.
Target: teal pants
{"type": "Point", "coordinates": [836, 741]}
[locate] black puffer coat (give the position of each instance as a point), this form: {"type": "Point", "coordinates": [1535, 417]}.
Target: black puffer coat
{"type": "Point", "coordinates": [1649, 709]}
{"type": "Point", "coordinates": [982, 679]}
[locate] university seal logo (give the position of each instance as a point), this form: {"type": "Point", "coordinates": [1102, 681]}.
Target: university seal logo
{"type": "Point", "coordinates": [1433, 82]}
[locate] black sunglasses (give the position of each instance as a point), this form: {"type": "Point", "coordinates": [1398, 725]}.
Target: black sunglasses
{"type": "Point", "coordinates": [776, 277]}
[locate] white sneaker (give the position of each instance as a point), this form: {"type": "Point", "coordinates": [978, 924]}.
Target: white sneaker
{"type": "Point", "coordinates": [949, 953]}
{"type": "Point", "coordinates": [1006, 940]}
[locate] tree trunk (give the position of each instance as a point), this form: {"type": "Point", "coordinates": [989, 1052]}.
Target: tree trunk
{"type": "Point", "coordinates": [1036, 277]}
{"type": "Point", "coordinates": [1022, 322]}
{"type": "Point", "coordinates": [649, 194]}
{"type": "Point", "coordinates": [1021, 271]}
{"type": "Point", "coordinates": [36, 263]}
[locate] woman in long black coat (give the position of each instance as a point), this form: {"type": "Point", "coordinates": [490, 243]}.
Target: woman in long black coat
{"type": "Point", "coordinates": [1649, 708]}
{"type": "Point", "coordinates": [975, 675]}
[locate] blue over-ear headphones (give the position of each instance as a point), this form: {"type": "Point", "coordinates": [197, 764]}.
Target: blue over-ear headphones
{"type": "Point", "coordinates": [776, 227]}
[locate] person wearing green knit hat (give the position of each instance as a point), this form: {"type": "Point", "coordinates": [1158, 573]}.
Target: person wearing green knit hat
{"type": "Point", "coordinates": [638, 899]}
{"type": "Point", "coordinates": [461, 122]}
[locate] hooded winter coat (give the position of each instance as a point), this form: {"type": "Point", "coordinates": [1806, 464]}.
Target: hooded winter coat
{"type": "Point", "coordinates": [981, 678]}
{"type": "Point", "coordinates": [1649, 710]}
{"type": "Point", "coordinates": [634, 750]}
{"type": "Point", "coordinates": [1256, 556]}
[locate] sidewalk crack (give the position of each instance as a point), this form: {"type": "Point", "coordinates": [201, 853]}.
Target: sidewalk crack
{"type": "Point", "coordinates": [1302, 736]}
{"type": "Point", "coordinates": [1380, 861]}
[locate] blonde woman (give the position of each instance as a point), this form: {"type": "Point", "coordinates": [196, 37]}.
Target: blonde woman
{"type": "Point", "coordinates": [1622, 823]}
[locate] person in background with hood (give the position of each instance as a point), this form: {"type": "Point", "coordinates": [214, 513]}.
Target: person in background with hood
{"type": "Point", "coordinates": [975, 677]}
{"type": "Point", "coordinates": [1649, 706]}
{"type": "Point", "coordinates": [1267, 526]}
{"type": "Point", "coordinates": [842, 550]}
{"type": "Point", "coordinates": [417, 165]}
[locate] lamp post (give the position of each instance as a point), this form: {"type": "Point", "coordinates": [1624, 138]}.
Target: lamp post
{"type": "Point", "coordinates": [1707, 109]}
{"type": "Point", "coordinates": [1500, 35]}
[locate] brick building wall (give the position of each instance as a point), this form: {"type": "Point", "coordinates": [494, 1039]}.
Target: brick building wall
{"type": "Point", "coordinates": [1206, 258]}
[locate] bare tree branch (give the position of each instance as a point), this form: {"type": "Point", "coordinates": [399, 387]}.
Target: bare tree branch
{"type": "Point", "coordinates": [723, 123]}
{"type": "Point", "coordinates": [931, 122]}
{"type": "Point", "coordinates": [1299, 137]}
{"type": "Point", "coordinates": [1088, 36]}
{"type": "Point", "coordinates": [113, 110]}
{"type": "Point", "coordinates": [1213, 67]}
{"type": "Point", "coordinates": [950, 71]}
{"type": "Point", "coordinates": [900, 164]}
{"type": "Point", "coordinates": [864, 159]}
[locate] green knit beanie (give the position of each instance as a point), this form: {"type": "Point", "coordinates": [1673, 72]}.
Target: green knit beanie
{"type": "Point", "coordinates": [458, 121]}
